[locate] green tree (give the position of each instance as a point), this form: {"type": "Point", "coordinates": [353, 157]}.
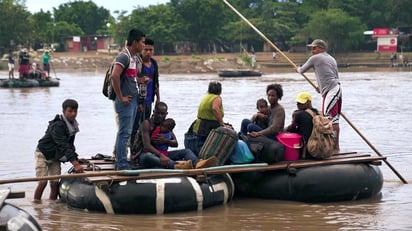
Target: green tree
{"type": "Point", "coordinates": [42, 27]}
{"type": "Point", "coordinates": [15, 26]}
{"type": "Point", "coordinates": [341, 31]}
{"type": "Point", "coordinates": [398, 13]}
{"type": "Point", "coordinates": [276, 20]}
{"type": "Point", "coordinates": [63, 30]}
{"type": "Point", "coordinates": [202, 21]}
{"type": "Point", "coordinates": [158, 22]}
{"type": "Point", "coordinates": [86, 15]}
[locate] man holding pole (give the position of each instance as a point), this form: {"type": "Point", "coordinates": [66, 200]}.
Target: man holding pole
{"type": "Point", "coordinates": [56, 146]}
{"type": "Point", "coordinates": [327, 78]}
{"type": "Point", "coordinates": [46, 64]}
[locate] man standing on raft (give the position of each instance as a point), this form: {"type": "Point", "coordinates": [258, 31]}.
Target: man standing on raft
{"type": "Point", "coordinates": [327, 78]}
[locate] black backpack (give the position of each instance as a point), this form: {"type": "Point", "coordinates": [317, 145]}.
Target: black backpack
{"type": "Point", "coordinates": [107, 83]}
{"type": "Point", "coordinates": [264, 149]}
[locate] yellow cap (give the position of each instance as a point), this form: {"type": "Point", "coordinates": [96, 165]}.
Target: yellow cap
{"type": "Point", "coordinates": [304, 97]}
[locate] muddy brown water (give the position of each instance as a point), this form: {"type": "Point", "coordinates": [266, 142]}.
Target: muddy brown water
{"type": "Point", "coordinates": [377, 103]}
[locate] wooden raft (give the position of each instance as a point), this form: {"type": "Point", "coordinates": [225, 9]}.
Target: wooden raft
{"type": "Point", "coordinates": [341, 158]}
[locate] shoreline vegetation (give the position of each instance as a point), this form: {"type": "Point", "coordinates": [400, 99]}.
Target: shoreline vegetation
{"type": "Point", "coordinates": [212, 63]}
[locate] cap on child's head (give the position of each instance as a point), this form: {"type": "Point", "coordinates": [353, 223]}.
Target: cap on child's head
{"type": "Point", "coordinates": [303, 97]}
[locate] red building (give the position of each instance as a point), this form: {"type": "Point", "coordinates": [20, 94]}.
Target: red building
{"type": "Point", "coordinates": [88, 43]}
{"type": "Point", "coordinates": [387, 39]}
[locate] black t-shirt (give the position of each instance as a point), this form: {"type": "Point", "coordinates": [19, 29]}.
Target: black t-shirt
{"type": "Point", "coordinates": [302, 123]}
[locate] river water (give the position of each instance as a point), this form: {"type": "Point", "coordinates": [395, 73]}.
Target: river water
{"type": "Point", "coordinates": [375, 102]}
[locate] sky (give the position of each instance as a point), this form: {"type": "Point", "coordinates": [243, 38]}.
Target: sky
{"type": "Point", "coordinates": [112, 5]}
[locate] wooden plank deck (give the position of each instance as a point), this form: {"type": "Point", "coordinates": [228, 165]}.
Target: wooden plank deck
{"type": "Point", "coordinates": [341, 158]}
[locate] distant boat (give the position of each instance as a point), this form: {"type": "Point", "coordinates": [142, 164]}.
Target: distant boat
{"type": "Point", "coordinates": [29, 83]}
{"type": "Point", "coordinates": [239, 73]}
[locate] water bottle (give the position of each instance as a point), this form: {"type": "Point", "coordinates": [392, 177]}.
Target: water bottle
{"type": "Point", "coordinates": [142, 91]}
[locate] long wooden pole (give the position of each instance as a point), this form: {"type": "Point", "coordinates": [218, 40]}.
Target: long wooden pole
{"type": "Point", "coordinates": [314, 86]}
{"type": "Point", "coordinates": [373, 148]}
{"type": "Point", "coordinates": [55, 75]}
{"type": "Point", "coordinates": [56, 177]}
{"type": "Point", "coordinates": [267, 40]}
{"type": "Point", "coordinates": [145, 173]}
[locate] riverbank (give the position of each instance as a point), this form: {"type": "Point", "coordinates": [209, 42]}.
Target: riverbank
{"type": "Point", "coordinates": [212, 63]}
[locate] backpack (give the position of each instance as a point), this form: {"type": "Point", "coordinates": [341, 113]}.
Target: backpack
{"type": "Point", "coordinates": [137, 146]}
{"type": "Point", "coordinates": [321, 142]}
{"type": "Point", "coordinates": [220, 143]}
{"type": "Point", "coordinates": [264, 149]}
{"type": "Point", "coordinates": [107, 83]}
{"type": "Point", "coordinates": [241, 154]}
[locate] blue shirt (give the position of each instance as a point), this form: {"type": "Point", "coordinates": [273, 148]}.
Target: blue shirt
{"type": "Point", "coordinates": [149, 72]}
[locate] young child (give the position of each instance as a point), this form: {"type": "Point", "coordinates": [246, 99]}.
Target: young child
{"type": "Point", "coordinates": [259, 121]}
{"type": "Point", "coordinates": [165, 130]}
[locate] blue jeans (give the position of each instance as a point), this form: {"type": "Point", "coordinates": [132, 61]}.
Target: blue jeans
{"type": "Point", "coordinates": [247, 126]}
{"type": "Point", "coordinates": [150, 160]}
{"type": "Point", "coordinates": [126, 114]}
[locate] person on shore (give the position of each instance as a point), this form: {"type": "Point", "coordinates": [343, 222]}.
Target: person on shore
{"type": "Point", "coordinates": [327, 78]}
{"type": "Point", "coordinates": [301, 119]}
{"type": "Point", "coordinates": [210, 114]}
{"type": "Point", "coordinates": [153, 158]}
{"type": "Point", "coordinates": [276, 115]}
{"type": "Point", "coordinates": [405, 61]}
{"type": "Point", "coordinates": [10, 64]}
{"type": "Point", "coordinates": [393, 57]}
{"type": "Point", "coordinates": [148, 89]}
{"type": "Point", "coordinates": [57, 145]}
{"type": "Point", "coordinates": [253, 59]}
{"type": "Point", "coordinates": [46, 62]}
{"type": "Point", "coordinates": [166, 130]}
{"type": "Point", "coordinates": [274, 56]}
{"type": "Point", "coordinates": [24, 61]}
{"type": "Point", "coordinates": [259, 121]}
{"type": "Point", "coordinates": [124, 84]}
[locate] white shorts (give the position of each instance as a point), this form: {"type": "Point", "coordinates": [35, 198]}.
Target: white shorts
{"type": "Point", "coordinates": [332, 104]}
{"type": "Point", "coordinates": [11, 66]}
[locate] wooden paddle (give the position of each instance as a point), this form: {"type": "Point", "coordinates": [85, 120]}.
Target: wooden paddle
{"type": "Point", "coordinates": [313, 85]}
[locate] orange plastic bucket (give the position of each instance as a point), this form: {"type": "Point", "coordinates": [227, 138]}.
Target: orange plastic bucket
{"type": "Point", "coordinates": [293, 144]}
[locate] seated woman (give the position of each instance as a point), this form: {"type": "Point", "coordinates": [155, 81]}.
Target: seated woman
{"type": "Point", "coordinates": [209, 115]}
{"type": "Point", "coordinates": [276, 115]}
